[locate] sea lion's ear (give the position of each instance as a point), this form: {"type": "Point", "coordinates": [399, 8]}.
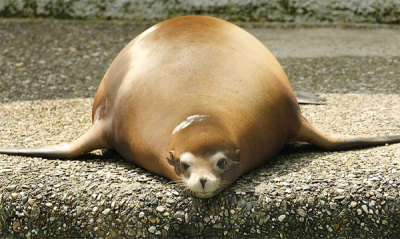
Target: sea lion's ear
{"type": "Point", "coordinates": [171, 154]}
{"type": "Point", "coordinates": [174, 161]}
{"type": "Point", "coordinates": [237, 155]}
{"type": "Point", "coordinates": [171, 157]}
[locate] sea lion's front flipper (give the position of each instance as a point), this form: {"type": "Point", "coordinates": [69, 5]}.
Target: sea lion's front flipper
{"type": "Point", "coordinates": [91, 140]}
{"type": "Point", "coordinates": [309, 133]}
{"type": "Point", "coordinates": [309, 98]}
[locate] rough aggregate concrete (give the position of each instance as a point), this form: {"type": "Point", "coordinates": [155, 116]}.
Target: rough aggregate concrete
{"type": "Point", "coordinates": [49, 77]}
{"type": "Point", "coordinates": [387, 11]}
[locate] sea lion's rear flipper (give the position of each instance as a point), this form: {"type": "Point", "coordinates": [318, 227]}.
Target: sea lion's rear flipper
{"type": "Point", "coordinates": [309, 98]}
{"type": "Point", "coordinates": [91, 140]}
{"type": "Point", "coordinates": [309, 133]}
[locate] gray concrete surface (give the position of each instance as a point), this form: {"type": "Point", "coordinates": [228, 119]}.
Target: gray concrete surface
{"type": "Point", "coordinates": [373, 11]}
{"type": "Point", "coordinates": [49, 73]}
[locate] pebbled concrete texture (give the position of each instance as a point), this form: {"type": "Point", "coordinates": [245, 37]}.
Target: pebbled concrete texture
{"type": "Point", "coordinates": [387, 11]}
{"type": "Point", "coordinates": [49, 73]}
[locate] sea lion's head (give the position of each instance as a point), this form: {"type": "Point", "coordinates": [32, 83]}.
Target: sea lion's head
{"type": "Point", "coordinates": [204, 158]}
{"type": "Point", "coordinates": [204, 175]}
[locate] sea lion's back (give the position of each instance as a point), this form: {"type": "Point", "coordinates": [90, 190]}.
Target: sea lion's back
{"type": "Point", "coordinates": [187, 66]}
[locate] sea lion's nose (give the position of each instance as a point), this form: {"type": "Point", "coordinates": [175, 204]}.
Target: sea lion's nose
{"type": "Point", "coordinates": [203, 182]}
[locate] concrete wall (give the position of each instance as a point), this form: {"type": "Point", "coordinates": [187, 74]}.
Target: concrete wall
{"type": "Point", "coordinates": [381, 11]}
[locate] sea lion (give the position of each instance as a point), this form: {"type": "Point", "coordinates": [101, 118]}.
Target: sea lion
{"type": "Point", "coordinates": [200, 101]}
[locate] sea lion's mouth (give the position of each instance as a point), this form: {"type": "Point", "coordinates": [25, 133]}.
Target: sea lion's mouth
{"type": "Point", "coordinates": [208, 194]}
{"type": "Point", "coordinates": [204, 194]}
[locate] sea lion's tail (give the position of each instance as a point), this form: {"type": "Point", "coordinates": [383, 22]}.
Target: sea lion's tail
{"type": "Point", "coordinates": [309, 133]}
{"type": "Point", "coordinates": [91, 140]}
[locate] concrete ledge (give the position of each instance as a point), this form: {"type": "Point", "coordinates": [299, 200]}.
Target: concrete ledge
{"type": "Point", "coordinates": [302, 193]}
{"type": "Point", "coordinates": [234, 10]}
{"type": "Point", "coordinates": [306, 194]}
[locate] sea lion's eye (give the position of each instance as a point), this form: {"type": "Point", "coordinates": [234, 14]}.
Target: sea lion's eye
{"type": "Point", "coordinates": [185, 166]}
{"type": "Point", "coordinates": [221, 163]}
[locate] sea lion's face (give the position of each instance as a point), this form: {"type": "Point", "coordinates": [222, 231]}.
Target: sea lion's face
{"type": "Point", "coordinates": [206, 175]}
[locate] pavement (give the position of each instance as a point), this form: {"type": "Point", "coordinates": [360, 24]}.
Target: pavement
{"type": "Point", "coordinates": [49, 74]}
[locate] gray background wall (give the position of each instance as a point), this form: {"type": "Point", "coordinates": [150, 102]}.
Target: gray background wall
{"type": "Point", "coordinates": [381, 11]}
